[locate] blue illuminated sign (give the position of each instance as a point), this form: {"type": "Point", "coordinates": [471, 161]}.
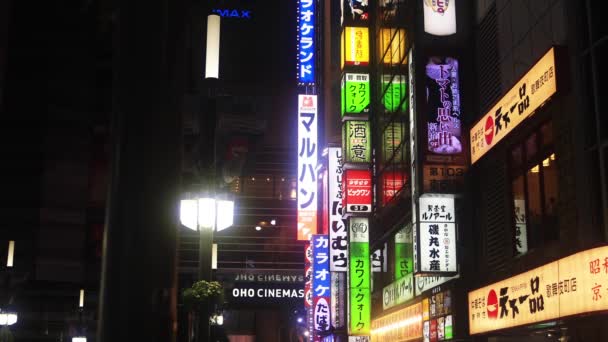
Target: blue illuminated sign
{"type": "Point", "coordinates": [321, 283]}
{"type": "Point", "coordinates": [232, 13]}
{"type": "Point", "coordinates": [306, 39]}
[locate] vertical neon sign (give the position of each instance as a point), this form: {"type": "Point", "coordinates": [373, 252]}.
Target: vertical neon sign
{"type": "Point", "coordinates": [306, 42]}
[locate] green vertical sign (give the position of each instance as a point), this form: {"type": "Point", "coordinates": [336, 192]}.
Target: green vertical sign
{"type": "Point", "coordinates": [359, 303]}
{"type": "Point", "coordinates": [356, 141]}
{"type": "Point", "coordinates": [403, 252]}
{"type": "Point", "coordinates": [392, 136]}
{"type": "Point", "coordinates": [395, 89]}
{"type": "Point", "coordinates": [355, 94]}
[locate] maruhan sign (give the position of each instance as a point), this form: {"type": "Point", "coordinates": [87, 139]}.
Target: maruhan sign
{"type": "Point", "coordinates": [398, 292]}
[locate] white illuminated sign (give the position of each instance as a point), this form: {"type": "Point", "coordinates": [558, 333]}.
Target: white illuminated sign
{"type": "Point", "coordinates": [307, 166]}
{"type": "Point", "coordinates": [437, 234]}
{"type": "Point", "coordinates": [338, 231]}
{"type": "Point", "coordinates": [440, 17]}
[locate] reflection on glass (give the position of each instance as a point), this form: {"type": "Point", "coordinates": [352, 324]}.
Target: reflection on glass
{"type": "Point", "coordinates": [519, 205]}
{"type": "Point", "coordinates": [534, 202]}
{"type": "Point", "coordinates": [551, 194]}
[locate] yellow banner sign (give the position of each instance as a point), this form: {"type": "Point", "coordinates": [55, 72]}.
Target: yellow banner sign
{"type": "Point", "coordinates": [531, 92]}
{"type": "Point", "coordinates": [403, 325]}
{"type": "Point", "coordinates": [573, 285]}
{"type": "Point", "coordinates": [355, 46]}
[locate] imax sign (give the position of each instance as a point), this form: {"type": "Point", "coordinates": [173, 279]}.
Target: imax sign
{"type": "Point", "coordinates": [232, 13]}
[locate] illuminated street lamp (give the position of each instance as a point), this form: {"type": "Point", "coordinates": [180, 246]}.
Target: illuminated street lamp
{"type": "Point", "coordinates": [206, 214]}
{"type": "Point", "coordinates": [8, 318]}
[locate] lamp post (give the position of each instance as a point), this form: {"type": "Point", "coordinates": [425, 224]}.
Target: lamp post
{"type": "Point", "coordinates": [206, 214]}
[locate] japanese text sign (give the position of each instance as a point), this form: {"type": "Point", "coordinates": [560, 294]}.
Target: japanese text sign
{"type": "Point", "coordinates": [392, 46]}
{"type": "Point", "coordinates": [392, 183]}
{"type": "Point", "coordinates": [403, 325]}
{"type": "Point", "coordinates": [358, 187]}
{"type": "Point", "coordinates": [306, 42]}
{"type": "Point", "coordinates": [394, 97]}
{"type": "Point", "coordinates": [355, 94]}
{"type": "Point", "coordinates": [440, 17]}
{"type": "Point", "coordinates": [321, 282]}
{"type": "Point", "coordinates": [398, 292]}
{"type": "Point", "coordinates": [359, 275]}
{"type": "Point", "coordinates": [528, 94]}
{"type": "Point", "coordinates": [308, 276]}
{"type": "Point", "coordinates": [307, 166]}
{"type": "Point", "coordinates": [443, 108]}
{"type": "Point", "coordinates": [403, 252]}
{"type": "Point", "coordinates": [392, 139]}
{"type": "Point", "coordinates": [338, 231]}
{"type": "Point", "coordinates": [356, 141]}
{"type": "Point", "coordinates": [338, 307]}
{"type": "Point", "coordinates": [437, 234]}
{"type": "Point", "coordinates": [573, 285]}
{"type": "Point", "coordinates": [355, 46]}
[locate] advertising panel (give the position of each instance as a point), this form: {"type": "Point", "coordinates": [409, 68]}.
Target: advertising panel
{"type": "Point", "coordinates": [440, 17]}
{"type": "Point", "coordinates": [338, 307]}
{"type": "Point", "coordinates": [321, 283]}
{"type": "Point", "coordinates": [355, 46]}
{"type": "Point", "coordinates": [569, 286]}
{"type": "Point", "coordinates": [437, 234]}
{"type": "Point", "coordinates": [359, 277]}
{"type": "Point", "coordinates": [306, 42]}
{"type": "Point", "coordinates": [392, 183]}
{"type": "Point", "coordinates": [307, 166]}
{"type": "Point", "coordinates": [519, 103]}
{"type": "Point", "coordinates": [395, 93]}
{"type": "Point", "coordinates": [358, 186]}
{"type": "Point", "coordinates": [308, 276]}
{"type": "Point", "coordinates": [356, 141]}
{"type": "Point", "coordinates": [404, 264]}
{"type": "Point", "coordinates": [426, 283]}
{"type": "Point", "coordinates": [444, 178]}
{"type": "Point", "coordinates": [338, 233]}
{"type": "Point", "coordinates": [355, 94]}
{"type": "Point", "coordinates": [403, 325]}
{"type": "Point", "coordinates": [378, 260]}
{"type": "Point", "coordinates": [398, 292]}
{"type": "Point", "coordinates": [443, 111]}
{"type": "Point", "coordinates": [392, 137]}
{"type": "Point", "coordinates": [392, 46]}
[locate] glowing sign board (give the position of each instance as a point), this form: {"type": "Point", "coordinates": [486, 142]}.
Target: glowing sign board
{"type": "Point", "coordinates": [308, 276]}
{"type": "Point", "coordinates": [359, 275]}
{"type": "Point", "coordinates": [392, 183]}
{"type": "Point", "coordinates": [321, 283]}
{"type": "Point", "coordinates": [392, 46]}
{"type": "Point", "coordinates": [232, 13]}
{"type": "Point", "coordinates": [392, 137]}
{"type": "Point", "coordinates": [306, 42]}
{"type": "Point", "coordinates": [519, 103]}
{"type": "Point", "coordinates": [338, 307]}
{"type": "Point", "coordinates": [437, 234]}
{"type": "Point", "coordinates": [440, 17]}
{"type": "Point", "coordinates": [443, 108]}
{"type": "Point", "coordinates": [307, 166]}
{"type": "Point", "coordinates": [403, 325]}
{"type": "Point", "coordinates": [338, 231]}
{"type": "Point", "coordinates": [569, 286]}
{"type": "Point", "coordinates": [355, 94]}
{"type": "Point", "coordinates": [403, 252]}
{"type": "Point", "coordinates": [356, 141]}
{"type": "Point", "coordinates": [398, 292]}
{"type": "Point", "coordinates": [355, 46]}
{"type": "Point", "coordinates": [395, 93]}
{"type": "Point", "coordinates": [358, 188]}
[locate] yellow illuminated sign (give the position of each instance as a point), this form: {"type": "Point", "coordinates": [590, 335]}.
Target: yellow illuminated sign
{"type": "Point", "coordinates": [392, 46]}
{"type": "Point", "coordinates": [573, 285]}
{"type": "Point", "coordinates": [403, 325]}
{"type": "Point", "coordinates": [355, 46]}
{"type": "Point", "coordinates": [531, 92]}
